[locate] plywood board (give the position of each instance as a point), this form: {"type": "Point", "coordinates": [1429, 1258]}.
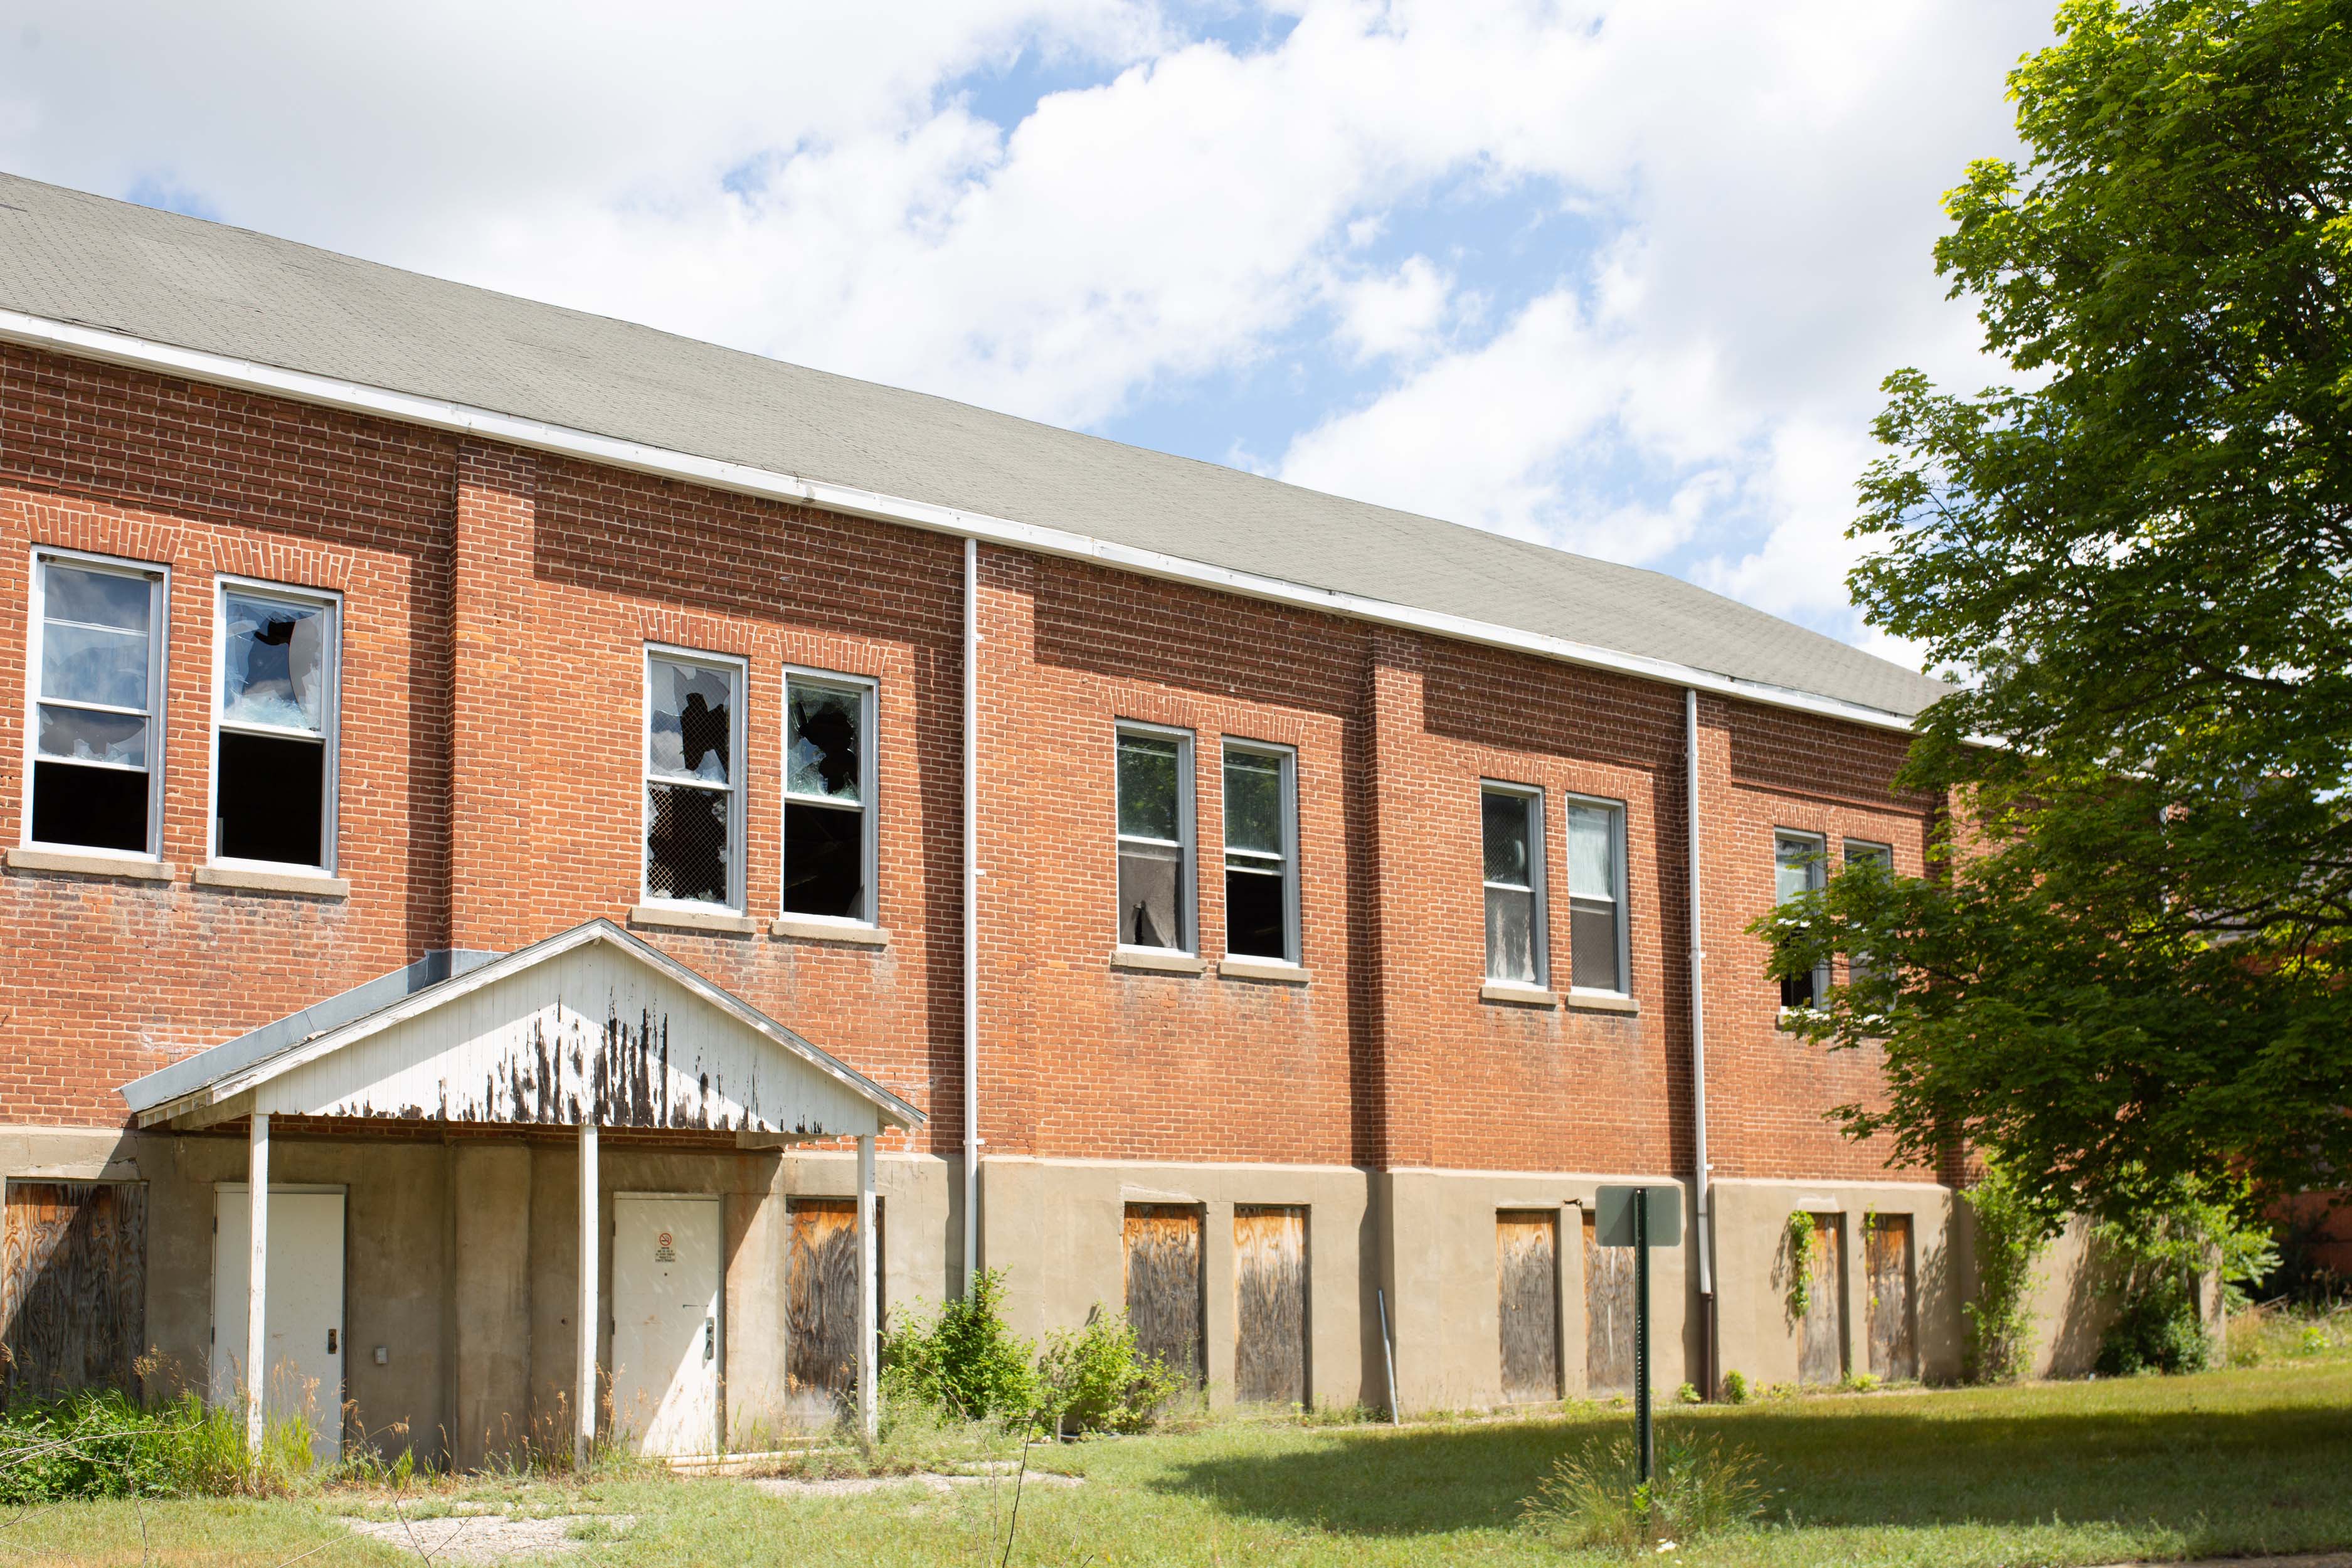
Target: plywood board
{"type": "Point", "coordinates": [1821, 1356]}
{"type": "Point", "coordinates": [1893, 1333]}
{"type": "Point", "coordinates": [821, 1304]}
{"type": "Point", "coordinates": [1164, 1285]}
{"type": "Point", "coordinates": [1269, 1305]}
{"type": "Point", "coordinates": [73, 1287]}
{"type": "Point", "coordinates": [1526, 1269]}
{"type": "Point", "coordinates": [1608, 1314]}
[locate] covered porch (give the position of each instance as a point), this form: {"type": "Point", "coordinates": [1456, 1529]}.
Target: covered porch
{"type": "Point", "coordinates": [491, 1203]}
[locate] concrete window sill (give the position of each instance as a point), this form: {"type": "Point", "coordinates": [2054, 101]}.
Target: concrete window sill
{"type": "Point", "coordinates": [1241, 967]}
{"type": "Point", "coordinates": [1517, 996]}
{"type": "Point", "coordinates": [710, 922]}
{"type": "Point", "coordinates": [71, 864]}
{"type": "Point", "coordinates": [1602, 1002]}
{"type": "Point", "coordinates": [305, 884]}
{"type": "Point", "coordinates": [803, 929]}
{"type": "Point", "coordinates": [1156, 961]}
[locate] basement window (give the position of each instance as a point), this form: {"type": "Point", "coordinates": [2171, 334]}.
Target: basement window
{"type": "Point", "coordinates": [1155, 839]}
{"type": "Point", "coordinates": [694, 799]}
{"type": "Point", "coordinates": [1799, 866]}
{"type": "Point", "coordinates": [829, 831]}
{"type": "Point", "coordinates": [1596, 896]}
{"type": "Point", "coordinates": [274, 729]}
{"type": "Point", "coordinates": [1511, 823]}
{"type": "Point", "coordinates": [1261, 851]}
{"type": "Point", "coordinates": [97, 697]}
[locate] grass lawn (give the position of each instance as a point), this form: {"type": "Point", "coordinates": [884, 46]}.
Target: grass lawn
{"type": "Point", "coordinates": [2253, 1459]}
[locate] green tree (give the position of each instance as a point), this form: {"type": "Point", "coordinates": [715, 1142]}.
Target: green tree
{"type": "Point", "coordinates": [2126, 968]}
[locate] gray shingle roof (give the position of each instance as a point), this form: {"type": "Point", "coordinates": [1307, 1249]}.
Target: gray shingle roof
{"type": "Point", "coordinates": [71, 257]}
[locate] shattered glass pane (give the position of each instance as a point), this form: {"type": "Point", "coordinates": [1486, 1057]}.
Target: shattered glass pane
{"type": "Point", "coordinates": [271, 800]}
{"type": "Point", "coordinates": [825, 861]}
{"type": "Point", "coordinates": [1148, 876]}
{"type": "Point", "coordinates": [1593, 944]}
{"type": "Point", "coordinates": [274, 663]}
{"type": "Point", "coordinates": [1592, 851]}
{"type": "Point", "coordinates": [1255, 913]}
{"type": "Point", "coordinates": [822, 756]}
{"type": "Point", "coordinates": [1254, 801]}
{"type": "Point", "coordinates": [1146, 787]}
{"type": "Point", "coordinates": [94, 664]}
{"type": "Point", "coordinates": [86, 737]}
{"type": "Point", "coordinates": [691, 719]}
{"type": "Point", "coordinates": [1505, 823]}
{"type": "Point", "coordinates": [1510, 935]}
{"type": "Point", "coordinates": [686, 844]}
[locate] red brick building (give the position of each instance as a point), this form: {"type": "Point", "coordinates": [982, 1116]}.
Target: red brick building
{"type": "Point", "coordinates": [1272, 913]}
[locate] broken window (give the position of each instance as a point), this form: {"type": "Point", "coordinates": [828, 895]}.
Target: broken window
{"type": "Point", "coordinates": [828, 798]}
{"type": "Point", "coordinates": [1512, 828]}
{"type": "Point", "coordinates": [97, 693]}
{"type": "Point", "coordinates": [272, 747]}
{"type": "Point", "coordinates": [693, 819]}
{"type": "Point", "coordinates": [1154, 838]}
{"type": "Point", "coordinates": [1260, 889]}
{"type": "Point", "coordinates": [1596, 896]}
{"type": "Point", "coordinates": [1797, 868]}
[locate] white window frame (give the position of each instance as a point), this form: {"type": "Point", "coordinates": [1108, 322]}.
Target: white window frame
{"type": "Point", "coordinates": [867, 689]}
{"type": "Point", "coordinates": [329, 736]}
{"type": "Point", "coordinates": [1817, 874]}
{"type": "Point", "coordinates": [1188, 867]}
{"type": "Point", "coordinates": [1292, 951]}
{"type": "Point", "coordinates": [738, 781]}
{"type": "Point", "coordinates": [1539, 875]}
{"type": "Point", "coordinates": [159, 581]}
{"type": "Point", "coordinates": [1616, 810]}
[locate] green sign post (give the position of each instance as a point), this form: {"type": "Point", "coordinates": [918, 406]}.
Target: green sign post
{"type": "Point", "coordinates": [1641, 1218]}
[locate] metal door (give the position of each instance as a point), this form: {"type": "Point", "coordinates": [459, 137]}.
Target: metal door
{"type": "Point", "coordinates": [665, 1329]}
{"type": "Point", "coordinates": [302, 1373]}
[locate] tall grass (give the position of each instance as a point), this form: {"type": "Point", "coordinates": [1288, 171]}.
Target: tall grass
{"type": "Point", "coordinates": [1595, 1496]}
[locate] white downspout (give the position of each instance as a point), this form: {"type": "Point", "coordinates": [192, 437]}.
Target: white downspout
{"type": "Point", "coordinates": [971, 911]}
{"type": "Point", "coordinates": [1703, 1206]}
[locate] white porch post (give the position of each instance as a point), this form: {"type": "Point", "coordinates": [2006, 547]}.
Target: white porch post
{"type": "Point", "coordinates": [256, 1287]}
{"type": "Point", "coordinates": [588, 1268]}
{"type": "Point", "coordinates": [870, 1407]}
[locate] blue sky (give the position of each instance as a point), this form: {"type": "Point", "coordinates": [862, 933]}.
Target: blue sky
{"type": "Point", "coordinates": [1620, 278]}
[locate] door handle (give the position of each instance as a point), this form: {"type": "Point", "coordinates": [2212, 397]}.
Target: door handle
{"type": "Point", "coordinates": [331, 1342]}
{"type": "Point", "coordinates": [710, 1337]}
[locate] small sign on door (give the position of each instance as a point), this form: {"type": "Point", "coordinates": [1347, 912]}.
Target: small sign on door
{"type": "Point", "coordinates": [663, 1251]}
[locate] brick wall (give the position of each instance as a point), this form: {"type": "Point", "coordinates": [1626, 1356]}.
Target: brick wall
{"type": "Point", "coordinates": [497, 608]}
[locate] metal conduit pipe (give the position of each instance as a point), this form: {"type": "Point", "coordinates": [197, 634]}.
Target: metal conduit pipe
{"type": "Point", "coordinates": [1704, 1221]}
{"type": "Point", "coordinates": [971, 911]}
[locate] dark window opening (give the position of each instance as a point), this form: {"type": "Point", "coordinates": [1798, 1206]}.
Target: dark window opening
{"type": "Point", "coordinates": [1254, 914]}
{"type": "Point", "coordinates": [686, 844]}
{"type": "Point", "coordinates": [824, 862]}
{"type": "Point", "coordinates": [269, 801]}
{"type": "Point", "coordinates": [97, 809]}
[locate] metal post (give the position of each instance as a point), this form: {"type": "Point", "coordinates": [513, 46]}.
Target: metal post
{"type": "Point", "coordinates": [257, 1288]}
{"type": "Point", "coordinates": [585, 1441]}
{"type": "Point", "coordinates": [1643, 1437]}
{"type": "Point", "coordinates": [869, 1410]}
{"type": "Point", "coordinates": [1388, 1358]}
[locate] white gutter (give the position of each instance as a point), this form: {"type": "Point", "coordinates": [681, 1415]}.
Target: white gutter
{"type": "Point", "coordinates": [1703, 1219]}
{"type": "Point", "coordinates": [90, 343]}
{"type": "Point", "coordinates": [971, 912]}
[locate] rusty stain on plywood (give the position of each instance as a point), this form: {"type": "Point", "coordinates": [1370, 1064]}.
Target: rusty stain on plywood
{"type": "Point", "coordinates": [73, 1285]}
{"type": "Point", "coordinates": [1526, 1267]}
{"type": "Point", "coordinates": [1894, 1337]}
{"type": "Point", "coordinates": [1164, 1285]}
{"type": "Point", "coordinates": [1270, 1305]}
{"type": "Point", "coordinates": [821, 1303]}
{"type": "Point", "coordinates": [1608, 1313]}
{"type": "Point", "coordinates": [1821, 1356]}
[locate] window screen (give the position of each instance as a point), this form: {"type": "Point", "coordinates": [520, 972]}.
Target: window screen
{"type": "Point", "coordinates": [1258, 854]}
{"type": "Point", "coordinates": [1797, 869]}
{"type": "Point", "coordinates": [1512, 832]}
{"type": "Point", "coordinates": [1152, 837]}
{"type": "Point", "coordinates": [692, 823]}
{"type": "Point", "coordinates": [827, 815]}
{"type": "Point", "coordinates": [96, 692]}
{"type": "Point", "coordinates": [1596, 900]}
{"type": "Point", "coordinates": [271, 762]}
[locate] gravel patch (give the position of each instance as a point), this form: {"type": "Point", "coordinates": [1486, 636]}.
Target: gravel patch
{"type": "Point", "coordinates": [475, 1538]}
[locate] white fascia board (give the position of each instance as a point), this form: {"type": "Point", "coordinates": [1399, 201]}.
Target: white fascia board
{"type": "Point", "coordinates": [92, 343]}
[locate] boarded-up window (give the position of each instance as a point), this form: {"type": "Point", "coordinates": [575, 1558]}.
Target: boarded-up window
{"type": "Point", "coordinates": [1608, 1313]}
{"type": "Point", "coordinates": [1821, 1357]}
{"type": "Point", "coordinates": [821, 1303]}
{"type": "Point", "coordinates": [1270, 1305]}
{"type": "Point", "coordinates": [1164, 1285]}
{"type": "Point", "coordinates": [1526, 1266]}
{"type": "Point", "coordinates": [73, 1285]}
{"type": "Point", "coordinates": [1894, 1339]}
